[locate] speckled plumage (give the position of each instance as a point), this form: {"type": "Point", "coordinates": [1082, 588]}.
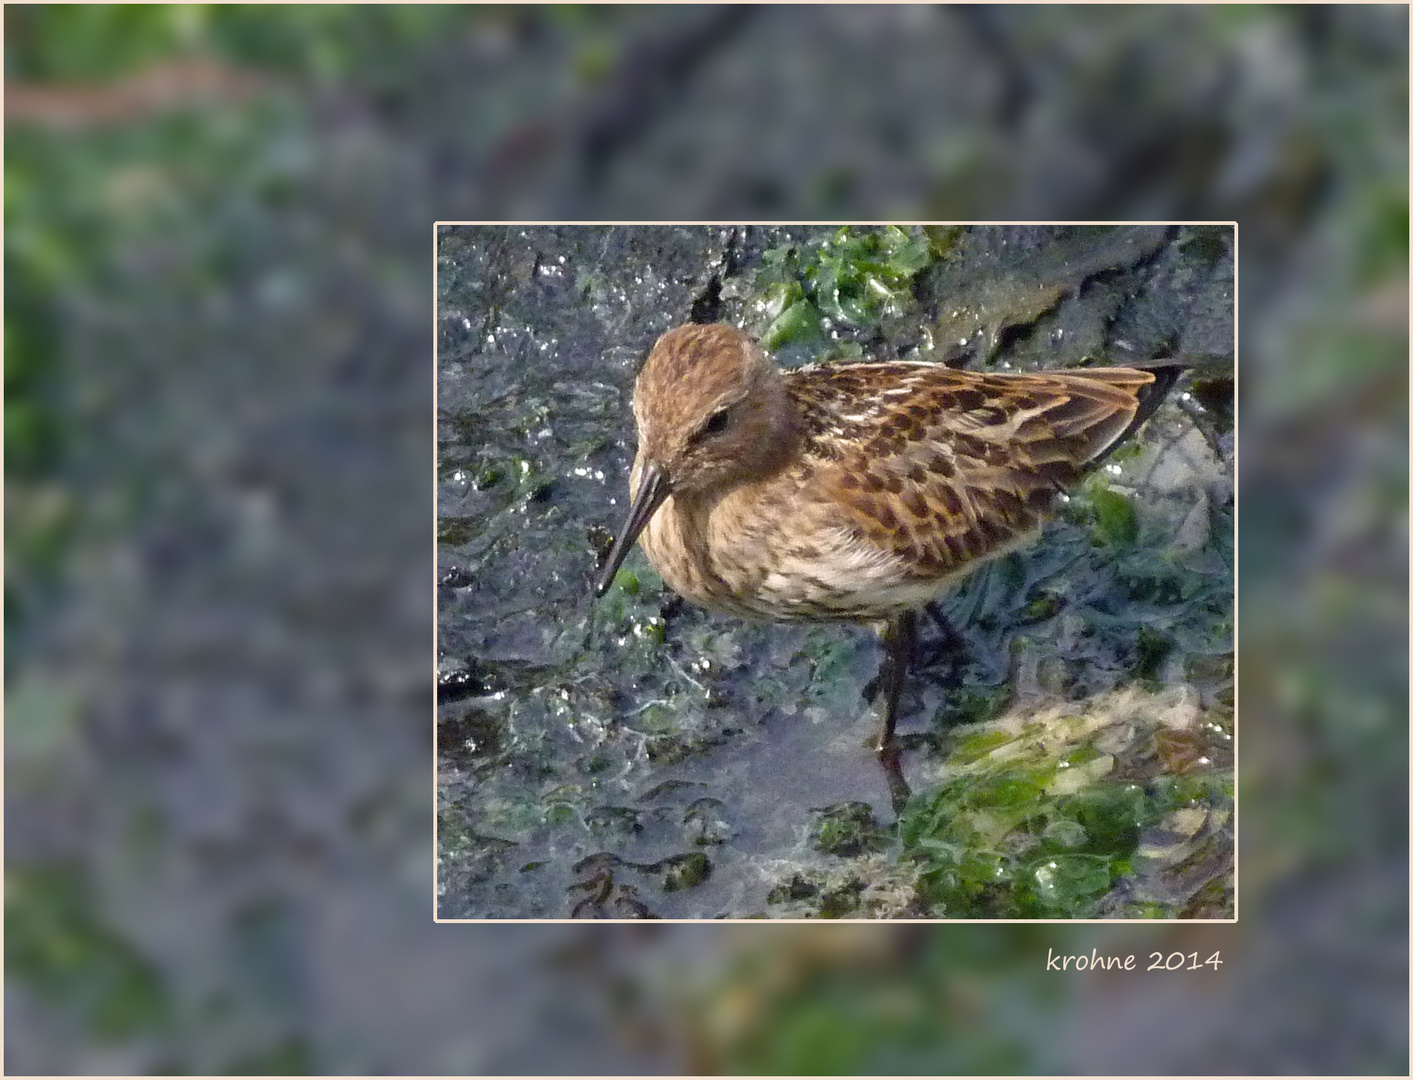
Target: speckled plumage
{"type": "Point", "coordinates": [855, 492]}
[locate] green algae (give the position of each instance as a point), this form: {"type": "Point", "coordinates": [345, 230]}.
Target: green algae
{"type": "Point", "coordinates": [855, 277]}
{"type": "Point", "coordinates": [1032, 820]}
{"type": "Point", "coordinates": [685, 871]}
{"type": "Point", "coordinates": [1115, 520]}
{"type": "Point", "coordinates": [847, 829]}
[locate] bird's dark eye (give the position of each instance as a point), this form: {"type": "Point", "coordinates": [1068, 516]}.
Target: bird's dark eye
{"type": "Point", "coordinates": [718, 422]}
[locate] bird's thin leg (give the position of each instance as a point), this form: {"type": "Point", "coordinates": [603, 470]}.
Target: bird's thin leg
{"type": "Point", "coordinates": [898, 640]}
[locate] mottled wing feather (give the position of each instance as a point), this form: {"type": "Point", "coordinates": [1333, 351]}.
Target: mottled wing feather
{"type": "Point", "coordinates": [943, 467]}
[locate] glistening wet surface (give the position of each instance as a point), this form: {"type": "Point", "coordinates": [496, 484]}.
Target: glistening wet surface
{"type": "Point", "coordinates": [1069, 721]}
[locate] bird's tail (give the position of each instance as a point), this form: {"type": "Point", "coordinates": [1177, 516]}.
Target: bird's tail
{"type": "Point", "coordinates": [1165, 374]}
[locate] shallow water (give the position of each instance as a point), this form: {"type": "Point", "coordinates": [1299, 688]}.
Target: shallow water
{"type": "Point", "coordinates": [591, 754]}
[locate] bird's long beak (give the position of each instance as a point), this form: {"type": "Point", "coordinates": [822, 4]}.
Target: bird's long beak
{"type": "Point", "coordinates": [655, 487]}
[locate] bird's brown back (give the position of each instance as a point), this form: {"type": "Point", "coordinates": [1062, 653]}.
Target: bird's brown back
{"type": "Point", "coordinates": [943, 467]}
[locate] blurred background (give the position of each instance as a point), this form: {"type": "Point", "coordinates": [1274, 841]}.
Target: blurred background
{"type": "Point", "coordinates": [218, 596]}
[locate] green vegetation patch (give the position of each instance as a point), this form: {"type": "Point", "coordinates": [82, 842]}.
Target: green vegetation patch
{"type": "Point", "coordinates": [59, 948]}
{"type": "Point", "coordinates": [1045, 815]}
{"type": "Point", "coordinates": [847, 829]}
{"type": "Point", "coordinates": [855, 277]}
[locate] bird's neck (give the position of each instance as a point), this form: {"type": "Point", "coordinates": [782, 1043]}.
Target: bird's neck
{"type": "Point", "coordinates": [769, 432]}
